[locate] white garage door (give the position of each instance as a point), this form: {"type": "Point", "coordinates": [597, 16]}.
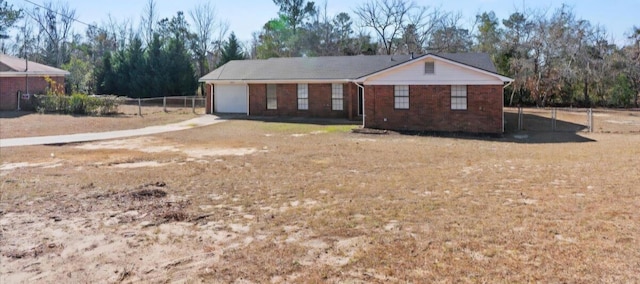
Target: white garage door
{"type": "Point", "coordinates": [230, 98]}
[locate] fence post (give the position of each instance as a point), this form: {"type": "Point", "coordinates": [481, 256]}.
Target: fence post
{"type": "Point", "coordinates": [185, 101]}
{"type": "Point", "coordinates": [193, 104]}
{"type": "Point", "coordinates": [139, 107]}
{"type": "Point", "coordinates": [19, 94]}
{"type": "Point", "coordinates": [520, 122]}
{"type": "Point", "coordinates": [590, 119]}
{"type": "Point", "coordinates": [164, 103]}
{"type": "Point", "coordinates": [554, 115]}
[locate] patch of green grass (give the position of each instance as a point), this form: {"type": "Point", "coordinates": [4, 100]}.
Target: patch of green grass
{"type": "Point", "coordinates": [305, 128]}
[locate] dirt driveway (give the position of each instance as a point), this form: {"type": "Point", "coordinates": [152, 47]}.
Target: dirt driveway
{"type": "Point", "coordinates": [256, 202]}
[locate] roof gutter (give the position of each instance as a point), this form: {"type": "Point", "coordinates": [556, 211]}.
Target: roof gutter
{"type": "Point", "coordinates": [504, 87]}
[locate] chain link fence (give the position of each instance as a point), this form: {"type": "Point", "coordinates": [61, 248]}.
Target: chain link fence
{"type": "Point", "coordinates": [572, 120]}
{"type": "Point", "coordinates": [182, 104]}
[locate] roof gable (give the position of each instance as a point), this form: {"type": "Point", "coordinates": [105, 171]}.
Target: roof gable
{"type": "Point", "coordinates": [460, 68]}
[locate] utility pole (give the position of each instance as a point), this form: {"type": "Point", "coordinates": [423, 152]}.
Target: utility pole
{"type": "Point", "coordinates": [26, 62]}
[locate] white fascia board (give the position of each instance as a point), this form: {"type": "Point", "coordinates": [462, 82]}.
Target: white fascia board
{"type": "Point", "coordinates": [438, 83]}
{"type": "Point", "coordinates": [503, 78]}
{"type": "Point", "coordinates": [224, 82]}
{"type": "Point", "coordinates": [289, 81]}
{"type": "Point", "coordinates": [298, 81]}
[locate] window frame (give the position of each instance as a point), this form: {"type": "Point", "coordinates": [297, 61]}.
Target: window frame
{"type": "Point", "coordinates": [459, 97]}
{"type": "Point", "coordinates": [337, 97]}
{"type": "Point", "coordinates": [303, 96]}
{"type": "Point", "coordinates": [401, 97]}
{"type": "Point", "coordinates": [272, 97]}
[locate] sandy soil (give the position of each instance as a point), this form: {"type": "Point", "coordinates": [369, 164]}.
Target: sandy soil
{"type": "Point", "coordinates": [260, 202]}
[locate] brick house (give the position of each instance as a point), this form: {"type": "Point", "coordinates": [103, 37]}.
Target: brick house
{"type": "Point", "coordinates": [454, 92]}
{"type": "Point", "coordinates": [18, 76]}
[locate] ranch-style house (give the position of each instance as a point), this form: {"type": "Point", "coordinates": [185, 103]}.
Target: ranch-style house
{"type": "Point", "coordinates": [443, 92]}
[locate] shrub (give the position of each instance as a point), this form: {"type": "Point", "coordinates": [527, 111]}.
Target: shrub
{"type": "Point", "coordinates": [76, 104]}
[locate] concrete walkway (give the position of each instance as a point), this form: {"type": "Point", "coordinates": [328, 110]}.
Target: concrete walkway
{"type": "Point", "coordinates": [84, 137]}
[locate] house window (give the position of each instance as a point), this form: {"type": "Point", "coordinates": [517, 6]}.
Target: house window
{"type": "Point", "coordinates": [336, 97]}
{"type": "Point", "coordinates": [272, 98]}
{"type": "Point", "coordinates": [459, 97]}
{"type": "Point", "coordinates": [401, 97]}
{"type": "Point", "coordinates": [303, 96]}
{"type": "Point", "coordinates": [429, 67]}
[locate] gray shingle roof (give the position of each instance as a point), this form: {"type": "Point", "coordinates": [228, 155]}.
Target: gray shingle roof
{"type": "Point", "coordinates": [330, 67]}
{"type": "Point", "coordinates": [477, 60]}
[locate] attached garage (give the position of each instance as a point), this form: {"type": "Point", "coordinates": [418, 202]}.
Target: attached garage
{"type": "Point", "coordinates": [230, 98]}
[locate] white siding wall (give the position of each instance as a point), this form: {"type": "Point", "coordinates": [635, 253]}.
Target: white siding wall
{"type": "Point", "coordinates": [445, 74]}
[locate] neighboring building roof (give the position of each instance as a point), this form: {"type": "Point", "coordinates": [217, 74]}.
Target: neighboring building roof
{"type": "Point", "coordinates": [331, 67]}
{"type": "Point", "coordinates": [13, 66]}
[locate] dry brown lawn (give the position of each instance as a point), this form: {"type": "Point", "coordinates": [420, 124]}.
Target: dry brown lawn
{"type": "Point", "coordinates": [255, 202]}
{"type": "Point", "coordinates": [26, 124]}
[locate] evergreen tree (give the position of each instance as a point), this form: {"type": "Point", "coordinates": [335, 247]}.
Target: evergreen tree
{"type": "Point", "coordinates": [231, 50]}
{"type": "Point", "coordinates": [121, 73]}
{"type": "Point", "coordinates": [181, 75]}
{"type": "Point", "coordinates": [105, 76]}
{"type": "Point", "coordinates": [8, 17]}
{"type": "Point", "coordinates": [156, 68]}
{"type": "Point", "coordinates": [136, 69]}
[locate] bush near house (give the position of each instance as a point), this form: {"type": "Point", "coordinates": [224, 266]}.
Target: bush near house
{"type": "Point", "coordinates": [76, 104]}
{"type": "Point", "coordinates": [55, 101]}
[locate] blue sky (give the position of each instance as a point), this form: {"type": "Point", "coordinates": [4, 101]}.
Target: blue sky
{"type": "Point", "coordinates": [247, 16]}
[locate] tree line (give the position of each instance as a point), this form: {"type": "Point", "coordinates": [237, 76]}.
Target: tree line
{"type": "Point", "coordinates": [555, 57]}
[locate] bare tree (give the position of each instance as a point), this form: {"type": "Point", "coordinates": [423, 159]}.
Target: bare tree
{"type": "Point", "coordinates": [422, 24]}
{"type": "Point", "coordinates": [148, 21]}
{"type": "Point", "coordinates": [54, 22]}
{"type": "Point", "coordinates": [633, 54]}
{"type": "Point", "coordinates": [449, 36]}
{"type": "Point", "coordinates": [210, 32]}
{"type": "Point", "coordinates": [121, 32]}
{"type": "Point", "coordinates": [387, 18]}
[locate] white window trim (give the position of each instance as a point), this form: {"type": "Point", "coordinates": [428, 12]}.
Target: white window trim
{"type": "Point", "coordinates": [400, 93]}
{"type": "Point", "coordinates": [337, 97]}
{"type": "Point", "coordinates": [275, 93]}
{"type": "Point", "coordinates": [303, 97]}
{"type": "Point", "coordinates": [459, 97]}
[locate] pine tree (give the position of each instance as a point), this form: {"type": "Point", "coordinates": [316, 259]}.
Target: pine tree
{"type": "Point", "coordinates": [8, 17]}
{"type": "Point", "coordinates": [231, 51]}
{"type": "Point", "coordinates": [138, 78]}
{"type": "Point", "coordinates": [181, 75]}
{"type": "Point", "coordinates": [156, 68]}
{"type": "Point", "coordinates": [105, 76]}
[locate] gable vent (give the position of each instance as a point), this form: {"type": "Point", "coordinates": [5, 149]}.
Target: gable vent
{"type": "Point", "coordinates": [429, 67]}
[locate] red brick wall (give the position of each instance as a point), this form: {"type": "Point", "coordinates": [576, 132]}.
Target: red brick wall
{"type": "Point", "coordinates": [430, 109]}
{"type": "Point", "coordinates": [287, 94]}
{"type": "Point", "coordinates": [208, 97]}
{"type": "Point", "coordinates": [9, 87]}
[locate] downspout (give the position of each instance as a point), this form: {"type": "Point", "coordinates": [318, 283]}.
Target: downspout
{"type": "Point", "coordinates": [211, 99]}
{"type": "Point", "coordinates": [363, 104]}
{"type": "Point", "coordinates": [504, 87]}
{"type": "Point", "coordinates": [248, 100]}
